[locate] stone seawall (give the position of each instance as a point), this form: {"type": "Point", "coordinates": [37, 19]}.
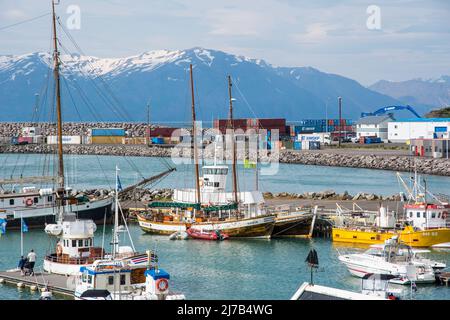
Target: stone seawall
{"type": "Point", "coordinates": [345, 159]}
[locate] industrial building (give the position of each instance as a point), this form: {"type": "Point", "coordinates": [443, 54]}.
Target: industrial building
{"type": "Point", "coordinates": [436, 148]}
{"type": "Point", "coordinates": [431, 128]}
{"type": "Point", "coordinates": [374, 126]}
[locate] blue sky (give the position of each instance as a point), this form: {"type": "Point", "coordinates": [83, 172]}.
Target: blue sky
{"type": "Point", "coordinates": [331, 35]}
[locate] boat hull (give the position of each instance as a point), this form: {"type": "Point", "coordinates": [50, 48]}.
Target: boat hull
{"type": "Point", "coordinates": [39, 217]}
{"type": "Point", "coordinates": [259, 227]}
{"type": "Point", "coordinates": [294, 225]}
{"type": "Point", "coordinates": [422, 238]}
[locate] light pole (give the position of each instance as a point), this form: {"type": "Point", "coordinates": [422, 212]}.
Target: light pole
{"type": "Point", "coordinates": [340, 120]}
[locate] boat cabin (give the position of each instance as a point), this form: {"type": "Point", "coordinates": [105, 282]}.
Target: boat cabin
{"type": "Point", "coordinates": [427, 216]}
{"type": "Point", "coordinates": [214, 195]}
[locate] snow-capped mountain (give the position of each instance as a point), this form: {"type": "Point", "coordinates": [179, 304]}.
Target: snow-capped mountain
{"type": "Point", "coordinates": [110, 89]}
{"type": "Point", "coordinates": [423, 92]}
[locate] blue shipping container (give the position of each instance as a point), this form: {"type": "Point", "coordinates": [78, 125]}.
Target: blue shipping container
{"type": "Point", "coordinates": [157, 140]}
{"type": "Point", "coordinates": [108, 132]}
{"type": "Point", "coordinates": [297, 145]}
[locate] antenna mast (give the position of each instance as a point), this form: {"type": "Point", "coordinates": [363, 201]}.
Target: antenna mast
{"type": "Point", "coordinates": [194, 135]}
{"type": "Point", "coordinates": [230, 126]}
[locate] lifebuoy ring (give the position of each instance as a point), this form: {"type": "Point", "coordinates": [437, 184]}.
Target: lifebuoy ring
{"type": "Point", "coordinates": [59, 250]}
{"type": "Point", "coordinates": [162, 284]}
{"type": "Point", "coordinates": [29, 202]}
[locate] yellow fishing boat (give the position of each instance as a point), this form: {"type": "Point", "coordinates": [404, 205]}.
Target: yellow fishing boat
{"type": "Point", "coordinates": [424, 224]}
{"type": "Point", "coordinates": [409, 236]}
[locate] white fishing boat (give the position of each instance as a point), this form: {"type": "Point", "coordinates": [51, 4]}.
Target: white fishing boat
{"type": "Point", "coordinates": [124, 274]}
{"type": "Point", "coordinates": [394, 259]}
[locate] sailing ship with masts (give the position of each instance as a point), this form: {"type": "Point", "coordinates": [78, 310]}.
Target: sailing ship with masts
{"type": "Point", "coordinates": [209, 206]}
{"type": "Point", "coordinates": [75, 246]}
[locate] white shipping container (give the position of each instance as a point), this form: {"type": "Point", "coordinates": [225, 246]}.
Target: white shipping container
{"type": "Point", "coordinates": [30, 131]}
{"type": "Point", "coordinates": [65, 139]}
{"type": "Point", "coordinates": [323, 138]}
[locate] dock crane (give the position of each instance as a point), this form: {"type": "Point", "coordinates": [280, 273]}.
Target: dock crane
{"type": "Point", "coordinates": [390, 108]}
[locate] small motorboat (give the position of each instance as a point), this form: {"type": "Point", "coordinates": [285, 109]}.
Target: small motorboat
{"type": "Point", "coordinates": [179, 235]}
{"type": "Point", "coordinates": [207, 235]}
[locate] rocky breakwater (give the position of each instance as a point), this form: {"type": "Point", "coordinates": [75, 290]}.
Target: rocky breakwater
{"type": "Point", "coordinates": [330, 195]}
{"type": "Point", "coordinates": [434, 166]}
{"type": "Point", "coordinates": [12, 129]}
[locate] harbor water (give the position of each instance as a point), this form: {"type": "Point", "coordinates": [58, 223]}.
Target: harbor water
{"type": "Point", "coordinates": [90, 171]}
{"type": "Point", "coordinates": [232, 269]}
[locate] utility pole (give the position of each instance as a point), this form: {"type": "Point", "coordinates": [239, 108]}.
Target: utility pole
{"type": "Point", "coordinates": [340, 120]}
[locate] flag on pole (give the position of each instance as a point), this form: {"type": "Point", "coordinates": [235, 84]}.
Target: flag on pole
{"type": "Point", "coordinates": [118, 183]}
{"type": "Point", "coordinates": [24, 226]}
{"type": "Point", "coordinates": [249, 164]}
{"type": "Point", "coordinates": [2, 226]}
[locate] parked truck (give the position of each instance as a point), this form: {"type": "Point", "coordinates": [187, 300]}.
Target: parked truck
{"type": "Point", "coordinates": [322, 137]}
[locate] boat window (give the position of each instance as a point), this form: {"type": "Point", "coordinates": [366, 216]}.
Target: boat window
{"type": "Point", "coordinates": [86, 243]}
{"type": "Point", "coordinates": [11, 202]}
{"type": "Point", "coordinates": [36, 200]}
{"type": "Point", "coordinates": [110, 280]}
{"type": "Point", "coordinates": [410, 214]}
{"type": "Point", "coordinates": [424, 215]}
{"type": "Point", "coordinates": [80, 243]}
{"type": "Point", "coordinates": [50, 198]}
{"type": "Point", "coordinates": [90, 278]}
{"type": "Point", "coordinates": [439, 215]}
{"type": "Point", "coordinates": [418, 214]}
{"type": "Point", "coordinates": [433, 215]}
{"type": "Point", "coordinates": [122, 279]}
{"type": "Point", "coordinates": [74, 243]}
{"type": "Point", "coordinates": [216, 184]}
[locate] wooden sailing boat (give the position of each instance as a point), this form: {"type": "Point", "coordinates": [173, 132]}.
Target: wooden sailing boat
{"type": "Point", "coordinates": [42, 206]}
{"type": "Point", "coordinates": [209, 206]}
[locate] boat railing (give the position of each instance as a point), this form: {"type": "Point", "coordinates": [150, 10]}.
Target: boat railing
{"type": "Point", "coordinates": [74, 261]}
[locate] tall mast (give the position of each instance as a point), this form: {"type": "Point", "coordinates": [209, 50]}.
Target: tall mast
{"type": "Point", "coordinates": [230, 126]}
{"type": "Point", "coordinates": [194, 135]}
{"type": "Point", "coordinates": [58, 103]}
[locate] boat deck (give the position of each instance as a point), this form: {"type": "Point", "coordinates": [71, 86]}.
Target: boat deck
{"type": "Point", "coordinates": [56, 283]}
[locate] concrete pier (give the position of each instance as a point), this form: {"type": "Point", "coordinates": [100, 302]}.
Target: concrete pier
{"type": "Point", "coordinates": [57, 284]}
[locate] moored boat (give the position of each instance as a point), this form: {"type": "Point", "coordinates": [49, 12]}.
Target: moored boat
{"type": "Point", "coordinates": [207, 235]}
{"type": "Point", "coordinates": [208, 206]}
{"type": "Point", "coordinates": [393, 258]}
{"type": "Point", "coordinates": [423, 224]}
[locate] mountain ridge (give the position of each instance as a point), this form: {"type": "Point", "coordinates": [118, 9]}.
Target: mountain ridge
{"type": "Point", "coordinates": [262, 90]}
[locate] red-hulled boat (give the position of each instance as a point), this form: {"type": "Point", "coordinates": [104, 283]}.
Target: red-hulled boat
{"type": "Point", "coordinates": [207, 235]}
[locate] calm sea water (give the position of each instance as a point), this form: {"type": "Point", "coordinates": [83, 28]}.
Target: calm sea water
{"type": "Point", "coordinates": [232, 269]}
{"type": "Point", "coordinates": [99, 171]}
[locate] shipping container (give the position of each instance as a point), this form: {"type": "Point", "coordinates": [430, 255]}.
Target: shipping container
{"type": "Point", "coordinates": [157, 140]}
{"type": "Point", "coordinates": [65, 139]}
{"type": "Point", "coordinates": [24, 140]}
{"type": "Point", "coordinates": [297, 145]}
{"type": "Point", "coordinates": [163, 132]}
{"type": "Point", "coordinates": [108, 132]}
{"type": "Point", "coordinates": [107, 140]}
{"type": "Point", "coordinates": [135, 140]}
{"type": "Point", "coordinates": [30, 131]}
